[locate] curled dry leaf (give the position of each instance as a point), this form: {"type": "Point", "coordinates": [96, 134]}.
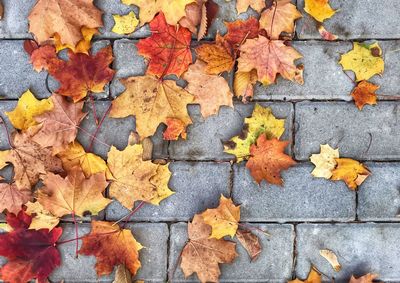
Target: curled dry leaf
{"type": "Point", "coordinates": [12, 197]}
{"type": "Point", "coordinates": [250, 242]}
{"type": "Point", "coordinates": [324, 161]}
{"type": "Point", "coordinates": [125, 24]}
{"type": "Point", "coordinates": [319, 9]}
{"type": "Point", "coordinates": [41, 218]}
{"type": "Point", "coordinates": [367, 278]}
{"type": "Point", "coordinates": [224, 219]}
{"type": "Point", "coordinates": [331, 258]}
{"type": "Point", "coordinates": [364, 93]}
{"type": "Point", "coordinates": [243, 5]}
{"type": "Point", "coordinates": [210, 91]}
{"type": "Point", "coordinates": [352, 172]}
{"type": "Point", "coordinates": [313, 277]}
{"type": "Point", "coordinates": [202, 254]}
{"type": "Point", "coordinates": [111, 246]}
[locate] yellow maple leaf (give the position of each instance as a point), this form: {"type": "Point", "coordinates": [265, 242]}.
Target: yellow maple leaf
{"type": "Point", "coordinates": [125, 24]}
{"type": "Point", "coordinates": [83, 46]}
{"type": "Point", "coordinates": [262, 121]}
{"type": "Point", "coordinates": [319, 9]}
{"type": "Point", "coordinates": [352, 172]}
{"type": "Point", "coordinates": [22, 117]}
{"type": "Point", "coordinates": [313, 277]}
{"type": "Point", "coordinates": [324, 161]}
{"type": "Point", "coordinates": [41, 218]}
{"type": "Point", "coordinates": [364, 60]}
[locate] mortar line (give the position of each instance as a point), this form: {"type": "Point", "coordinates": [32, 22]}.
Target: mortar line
{"type": "Point", "coordinates": [294, 260]}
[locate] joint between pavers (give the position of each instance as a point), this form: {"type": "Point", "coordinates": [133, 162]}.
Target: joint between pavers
{"type": "Point", "coordinates": [294, 256]}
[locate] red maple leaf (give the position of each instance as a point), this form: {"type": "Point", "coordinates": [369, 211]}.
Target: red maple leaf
{"type": "Point", "coordinates": [30, 253]}
{"type": "Point", "coordinates": [168, 48]}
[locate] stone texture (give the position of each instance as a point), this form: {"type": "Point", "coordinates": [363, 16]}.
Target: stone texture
{"type": "Point", "coordinates": [15, 21]}
{"type": "Point", "coordinates": [361, 248]}
{"type": "Point", "coordinates": [370, 134]}
{"type": "Point", "coordinates": [153, 257]}
{"type": "Point", "coordinates": [274, 264]}
{"type": "Point", "coordinates": [379, 195]}
{"type": "Point", "coordinates": [358, 19]}
{"type": "Point", "coordinates": [196, 188]}
{"type": "Point", "coordinates": [205, 136]}
{"type": "Point", "coordinates": [302, 198]}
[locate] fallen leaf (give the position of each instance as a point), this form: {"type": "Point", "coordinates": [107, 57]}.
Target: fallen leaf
{"type": "Point", "coordinates": [22, 117]}
{"type": "Point", "coordinates": [12, 197]}
{"type": "Point", "coordinates": [151, 101]}
{"type": "Point", "coordinates": [269, 58]}
{"type": "Point", "coordinates": [267, 160]}
{"type": "Point", "coordinates": [262, 121]}
{"type": "Point", "coordinates": [279, 18]}
{"type": "Point", "coordinates": [331, 258]}
{"type": "Point", "coordinates": [313, 277]}
{"type": "Point", "coordinates": [364, 60]}
{"type": "Point", "coordinates": [125, 24]}
{"type": "Point", "coordinates": [250, 242]}
{"type": "Point", "coordinates": [210, 91]}
{"type": "Point", "coordinates": [41, 218]}
{"type": "Point", "coordinates": [241, 30]}
{"type": "Point", "coordinates": [218, 57]}
{"type": "Point", "coordinates": [224, 219]}
{"type": "Point", "coordinates": [243, 5]}
{"type": "Point", "coordinates": [134, 179]}
{"type": "Point", "coordinates": [111, 246]}
{"type": "Point", "coordinates": [74, 195]}
{"type": "Point", "coordinates": [202, 254]}
{"type": "Point", "coordinates": [122, 275]}
{"type": "Point", "coordinates": [326, 34]}
{"type": "Point", "coordinates": [324, 161]}
{"type": "Point", "coordinates": [243, 85]}
{"type": "Point", "coordinates": [175, 128]}
{"type": "Point", "coordinates": [58, 128]}
{"type": "Point", "coordinates": [173, 10]}
{"type": "Point", "coordinates": [42, 57]}
{"type": "Point", "coordinates": [63, 17]}
{"type": "Point", "coordinates": [364, 93]}
{"type": "Point", "coordinates": [1, 10]}
{"type": "Point", "coordinates": [199, 13]}
{"type": "Point", "coordinates": [167, 49]}
{"type": "Point", "coordinates": [30, 253]}
{"type": "Point", "coordinates": [319, 9]}
{"type": "Point", "coordinates": [352, 172]}
{"type": "Point", "coordinates": [367, 278]}
{"type": "Point", "coordinates": [83, 46]}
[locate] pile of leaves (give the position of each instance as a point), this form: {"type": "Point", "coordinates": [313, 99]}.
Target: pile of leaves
{"type": "Point", "coordinates": [55, 176]}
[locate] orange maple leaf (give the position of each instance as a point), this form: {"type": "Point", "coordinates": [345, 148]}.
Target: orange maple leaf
{"type": "Point", "coordinates": [240, 30]}
{"type": "Point", "coordinates": [175, 128]}
{"type": "Point", "coordinates": [267, 160]}
{"type": "Point", "coordinates": [168, 48]}
{"type": "Point", "coordinates": [364, 93]}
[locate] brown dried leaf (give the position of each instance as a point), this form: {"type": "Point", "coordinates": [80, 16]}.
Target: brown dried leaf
{"type": "Point", "coordinates": [250, 242]}
{"type": "Point", "coordinates": [331, 258]}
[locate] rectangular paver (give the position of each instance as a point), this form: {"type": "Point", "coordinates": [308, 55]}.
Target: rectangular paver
{"type": "Point", "coordinates": [360, 248]}
{"type": "Point", "coordinates": [302, 198]}
{"type": "Point", "coordinates": [15, 21]}
{"type": "Point", "coordinates": [370, 134]}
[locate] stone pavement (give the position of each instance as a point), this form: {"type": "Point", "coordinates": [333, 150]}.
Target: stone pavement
{"type": "Point", "coordinates": [305, 215]}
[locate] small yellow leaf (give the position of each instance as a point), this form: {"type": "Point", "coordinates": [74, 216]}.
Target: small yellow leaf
{"type": "Point", "coordinates": [331, 258]}
{"type": "Point", "coordinates": [125, 24]}
{"type": "Point", "coordinates": [319, 9]}
{"type": "Point", "coordinates": [324, 162]}
{"type": "Point", "coordinates": [83, 46]}
{"type": "Point", "coordinates": [352, 172]}
{"type": "Point", "coordinates": [41, 218]}
{"type": "Point", "coordinates": [22, 117]}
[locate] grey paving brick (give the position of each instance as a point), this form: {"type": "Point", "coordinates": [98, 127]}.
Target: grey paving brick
{"type": "Point", "coordinates": [370, 134]}
{"type": "Point", "coordinates": [197, 186]}
{"type": "Point", "coordinates": [16, 72]}
{"type": "Point", "coordinates": [361, 248]}
{"type": "Point", "coordinates": [6, 106]}
{"type": "Point", "coordinates": [302, 198]}
{"type": "Point", "coordinates": [274, 264]}
{"type": "Point", "coordinates": [359, 19]}
{"type": "Point", "coordinates": [153, 257]}
{"type": "Point", "coordinates": [205, 136]}
{"type": "Point", "coordinates": [15, 21]}
{"type": "Point", "coordinates": [379, 195]}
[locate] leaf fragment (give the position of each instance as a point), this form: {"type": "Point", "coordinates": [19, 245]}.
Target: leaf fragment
{"type": "Point", "coordinates": [243, 5]}
{"type": "Point", "coordinates": [352, 172]}
{"type": "Point", "coordinates": [367, 278]}
{"type": "Point", "coordinates": [331, 257]}
{"type": "Point", "coordinates": [250, 242]}
{"type": "Point", "coordinates": [41, 218]}
{"type": "Point", "coordinates": [319, 9]}
{"type": "Point", "coordinates": [324, 161]}
{"type": "Point", "coordinates": [313, 277]}
{"type": "Point", "coordinates": [125, 24]}
{"type": "Point", "coordinates": [243, 85]}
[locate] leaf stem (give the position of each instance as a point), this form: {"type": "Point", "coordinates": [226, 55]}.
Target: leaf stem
{"type": "Point", "coordinates": [128, 216]}
{"type": "Point", "coordinates": [98, 128]}
{"type": "Point", "coordinates": [251, 227]}
{"type": "Point", "coordinates": [93, 108]}
{"type": "Point", "coordinates": [7, 132]}
{"type": "Point", "coordinates": [76, 233]}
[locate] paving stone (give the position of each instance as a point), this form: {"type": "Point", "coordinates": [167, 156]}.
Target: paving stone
{"type": "Point", "coordinates": [196, 189]}
{"type": "Point", "coordinates": [15, 21]}
{"type": "Point", "coordinates": [274, 264]}
{"type": "Point", "coordinates": [379, 195]}
{"type": "Point", "coordinates": [370, 134]}
{"type": "Point", "coordinates": [302, 198]}
{"type": "Point", "coordinates": [153, 257]}
{"type": "Point", "coordinates": [358, 19]}
{"type": "Point", "coordinates": [205, 136]}
{"type": "Point", "coordinates": [361, 248]}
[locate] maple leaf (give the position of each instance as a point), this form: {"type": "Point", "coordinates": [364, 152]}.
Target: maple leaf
{"type": "Point", "coordinates": [42, 57]}
{"type": "Point", "coordinates": [324, 161]}
{"type": "Point", "coordinates": [22, 117]}
{"type": "Point", "coordinates": [111, 246]}
{"type": "Point", "coordinates": [319, 9]}
{"type": "Point", "coordinates": [59, 126]}
{"type": "Point", "coordinates": [202, 255]}
{"type": "Point", "coordinates": [331, 257]}
{"type": "Point", "coordinates": [262, 121]}
{"type": "Point", "coordinates": [135, 179]}
{"type": "Point", "coordinates": [200, 84]}
{"type": "Point", "coordinates": [194, 15]}
{"type": "Point", "coordinates": [367, 278]}
{"type": "Point", "coordinates": [83, 46]}
{"type": "Point", "coordinates": [175, 128]}
{"type": "Point", "coordinates": [125, 24]}
{"type": "Point", "coordinates": [218, 57]}
{"type": "Point", "coordinates": [267, 160]}
{"type": "Point", "coordinates": [241, 30]}
{"type": "Point", "coordinates": [29, 159]}
{"type": "Point", "coordinates": [30, 253]}
{"type": "Point", "coordinates": [63, 17]}
{"type": "Point", "coordinates": [41, 218]}
{"type": "Point", "coordinates": [73, 195]}
{"type": "Point", "coordinates": [279, 18]}
{"type": "Point", "coordinates": [12, 197]}
{"type": "Point", "coordinates": [243, 5]}
{"type": "Point", "coordinates": [313, 277]}
{"type": "Point", "coordinates": [364, 60]}
{"type": "Point", "coordinates": [269, 58]}
{"type": "Point", "coordinates": [243, 85]}
{"type": "Point", "coordinates": [224, 219]}
{"type": "Point", "coordinates": [151, 101]}
{"type": "Point", "coordinates": [250, 242]}
{"type": "Point", "coordinates": [352, 172]}
{"type": "Point", "coordinates": [167, 49]}
{"type": "Point", "coordinates": [364, 93]}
